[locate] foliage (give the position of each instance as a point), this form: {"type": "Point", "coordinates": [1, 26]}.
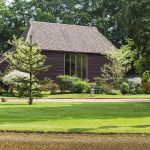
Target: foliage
{"type": "Point", "coordinates": [80, 87]}
{"type": "Point", "coordinates": [135, 19]}
{"type": "Point", "coordinates": [27, 58]}
{"type": "Point", "coordinates": [114, 92]}
{"type": "Point", "coordinates": [136, 80]}
{"type": "Point", "coordinates": [66, 82]}
{"type": "Point", "coordinates": [119, 65]}
{"type": "Point", "coordinates": [73, 84]}
{"type": "Point", "coordinates": [36, 90]}
{"type": "Point", "coordinates": [99, 89]}
{"type": "Point", "coordinates": [146, 76]}
{"type": "Point", "coordinates": [124, 88]}
{"type": "Point", "coordinates": [45, 84]}
{"type": "Point", "coordinates": [140, 90]}
{"type": "Point", "coordinates": [54, 87]}
{"type": "Point", "coordinates": [14, 76]}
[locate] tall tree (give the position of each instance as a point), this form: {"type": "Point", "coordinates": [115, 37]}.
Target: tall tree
{"type": "Point", "coordinates": [5, 31]}
{"type": "Point", "coordinates": [134, 19]}
{"type": "Point", "coordinates": [27, 58]}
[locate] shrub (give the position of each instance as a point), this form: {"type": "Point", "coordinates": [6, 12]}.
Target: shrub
{"type": "Point", "coordinates": [80, 87]}
{"type": "Point", "coordinates": [124, 88]}
{"type": "Point", "coordinates": [22, 89]}
{"type": "Point", "coordinates": [37, 91]}
{"type": "Point", "coordinates": [114, 92]}
{"type": "Point", "coordinates": [92, 85]}
{"type": "Point", "coordinates": [46, 84]}
{"type": "Point", "coordinates": [99, 89]}
{"type": "Point", "coordinates": [99, 81]}
{"type": "Point", "coordinates": [135, 81]}
{"type": "Point", "coordinates": [13, 77]}
{"type": "Point", "coordinates": [146, 76]}
{"type": "Point", "coordinates": [54, 87]}
{"type": "Point", "coordinates": [87, 87]}
{"type": "Point", "coordinates": [139, 90]}
{"type": "Point", "coordinates": [66, 82]}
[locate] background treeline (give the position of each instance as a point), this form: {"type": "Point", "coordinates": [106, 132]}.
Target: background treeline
{"type": "Point", "coordinates": [116, 19]}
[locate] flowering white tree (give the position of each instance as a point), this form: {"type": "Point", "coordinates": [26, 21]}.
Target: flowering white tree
{"type": "Point", "coordinates": [14, 76]}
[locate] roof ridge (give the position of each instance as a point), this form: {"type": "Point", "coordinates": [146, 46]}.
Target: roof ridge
{"type": "Point", "coordinates": [32, 21]}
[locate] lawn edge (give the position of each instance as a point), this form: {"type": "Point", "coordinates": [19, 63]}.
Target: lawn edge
{"type": "Point", "coordinates": [69, 133]}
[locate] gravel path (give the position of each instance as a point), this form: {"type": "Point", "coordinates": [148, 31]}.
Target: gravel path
{"type": "Point", "coordinates": [80, 100]}
{"type": "Point", "coordinates": [39, 141]}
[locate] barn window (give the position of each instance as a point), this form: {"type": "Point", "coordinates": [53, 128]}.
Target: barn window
{"type": "Point", "coordinates": [76, 65]}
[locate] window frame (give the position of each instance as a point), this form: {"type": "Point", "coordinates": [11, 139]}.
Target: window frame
{"type": "Point", "coordinates": [81, 65]}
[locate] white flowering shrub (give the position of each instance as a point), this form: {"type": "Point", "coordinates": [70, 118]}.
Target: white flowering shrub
{"type": "Point", "coordinates": [136, 80]}
{"type": "Point", "coordinates": [14, 76]}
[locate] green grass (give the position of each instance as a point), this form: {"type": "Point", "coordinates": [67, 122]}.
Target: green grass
{"type": "Point", "coordinates": [76, 117]}
{"type": "Point", "coordinates": [84, 95]}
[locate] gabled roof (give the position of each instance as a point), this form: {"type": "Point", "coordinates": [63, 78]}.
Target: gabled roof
{"type": "Point", "coordinates": [69, 38]}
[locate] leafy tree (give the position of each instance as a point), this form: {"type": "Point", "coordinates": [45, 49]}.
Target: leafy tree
{"type": "Point", "coordinates": [27, 58]}
{"type": "Point", "coordinates": [119, 63]}
{"type": "Point", "coordinates": [5, 31]}
{"type": "Point", "coordinates": [135, 22]}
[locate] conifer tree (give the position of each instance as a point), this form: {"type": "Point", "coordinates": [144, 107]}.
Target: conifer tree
{"type": "Point", "coordinates": [27, 58]}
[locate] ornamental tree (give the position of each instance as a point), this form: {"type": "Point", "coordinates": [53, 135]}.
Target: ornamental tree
{"type": "Point", "coordinates": [28, 59]}
{"type": "Point", "coordinates": [119, 63]}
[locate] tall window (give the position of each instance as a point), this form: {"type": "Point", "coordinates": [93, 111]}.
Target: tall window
{"type": "Point", "coordinates": [76, 65]}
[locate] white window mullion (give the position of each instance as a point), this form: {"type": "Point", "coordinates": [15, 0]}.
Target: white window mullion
{"type": "Point", "coordinates": [70, 64]}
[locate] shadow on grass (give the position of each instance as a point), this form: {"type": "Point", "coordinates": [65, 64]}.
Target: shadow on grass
{"type": "Point", "coordinates": [105, 127]}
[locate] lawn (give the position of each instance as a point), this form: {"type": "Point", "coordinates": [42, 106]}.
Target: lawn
{"type": "Point", "coordinates": [85, 95]}
{"type": "Point", "coordinates": [46, 94]}
{"type": "Point", "coordinates": [76, 117]}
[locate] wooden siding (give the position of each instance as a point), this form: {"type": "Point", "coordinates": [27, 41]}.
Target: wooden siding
{"type": "Point", "coordinates": [95, 62]}
{"type": "Point", "coordinates": [56, 59]}
{"type": "Point", "coordinates": [3, 66]}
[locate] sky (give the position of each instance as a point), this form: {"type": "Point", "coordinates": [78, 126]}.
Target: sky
{"type": "Point", "coordinates": [8, 1]}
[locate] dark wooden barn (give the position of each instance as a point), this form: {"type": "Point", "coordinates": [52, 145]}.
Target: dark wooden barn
{"type": "Point", "coordinates": [70, 49]}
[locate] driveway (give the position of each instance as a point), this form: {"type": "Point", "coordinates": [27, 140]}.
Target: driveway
{"type": "Point", "coordinates": [79, 100]}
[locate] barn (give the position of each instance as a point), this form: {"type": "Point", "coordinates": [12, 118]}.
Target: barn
{"type": "Point", "coordinates": [71, 49]}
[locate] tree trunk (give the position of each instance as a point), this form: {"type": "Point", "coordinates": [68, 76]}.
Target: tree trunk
{"type": "Point", "coordinates": [30, 91]}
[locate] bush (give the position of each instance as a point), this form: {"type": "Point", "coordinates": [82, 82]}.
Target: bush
{"type": "Point", "coordinates": [124, 88]}
{"type": "Point", "coordinates": [46, 84]}
{"type": "Point", "coordinates": [78, 87]}
{"type": "Point", "coordinates": [99, 89]}
{"type": "Point", "coordinates": [146, 76]}
{"type": "Point", "coordinates": [37, 91]}
{"type": "Point", "coordinates": [54, 87]}
{"type": "Point", "coordinates": [135, 81]}
{"type": "Point", "coordinates": [114, 92]}
{"type": "Point", "coordinates": [139, 90]}
{"type": "Point", "coordinates": [87, 87]}
{"type": "Point", "coordinates": [66, 82]}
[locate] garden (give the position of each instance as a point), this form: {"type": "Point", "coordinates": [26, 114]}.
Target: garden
{"type": "Point", "coordinates": [114, 80]}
